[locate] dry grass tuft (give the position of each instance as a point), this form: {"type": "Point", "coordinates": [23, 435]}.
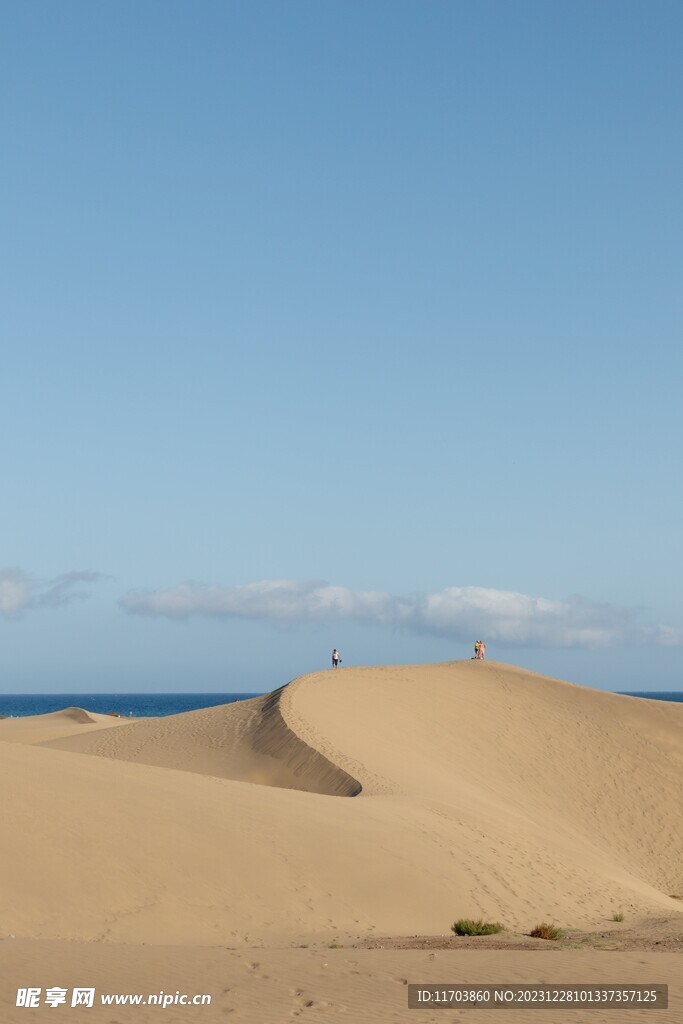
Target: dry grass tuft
{"type": "Point", "coordinates": [465, 926]}
{"type": "Point", "coordinates": [546, 931]}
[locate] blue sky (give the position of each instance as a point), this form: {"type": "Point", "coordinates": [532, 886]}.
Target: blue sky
{"type": "Point", "coordinates": [381, 301]}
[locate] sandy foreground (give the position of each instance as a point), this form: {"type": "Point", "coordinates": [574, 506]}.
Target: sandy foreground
{"type": "Point", "coordinates": [284, 854]}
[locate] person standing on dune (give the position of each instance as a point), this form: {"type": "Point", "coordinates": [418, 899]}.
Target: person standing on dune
{"type": "Point", "coordinates": [336, 658]}
{"type": "Point", "coordinates": [482, 650]}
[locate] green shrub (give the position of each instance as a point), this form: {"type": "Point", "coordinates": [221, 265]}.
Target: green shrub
{"type": "Point", "coordinates": [618, 916]}
{"type": "Point", "coordinates": [546, 931]}
{"type": "Point", "coordinates": [467, 927]}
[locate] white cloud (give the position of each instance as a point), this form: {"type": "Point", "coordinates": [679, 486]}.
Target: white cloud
{"type": "Point", "coordinates": [19, 592]}
{"type": "Point", "coordinates": [459, 613]}
{"type": "Point", "coordinates": [15, 591]}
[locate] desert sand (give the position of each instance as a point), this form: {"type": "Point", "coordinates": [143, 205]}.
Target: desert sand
{"type": "Point", "coordinates": [255, 851]}
{"type": "Point", "coordinates": [57, 725]}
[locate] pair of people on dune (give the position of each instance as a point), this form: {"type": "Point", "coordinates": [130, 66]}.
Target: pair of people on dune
{"type": "Point", "coordinates": [479, 650]}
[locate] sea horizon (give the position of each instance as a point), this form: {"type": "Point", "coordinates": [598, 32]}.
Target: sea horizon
{"type": "Point", "coordinates": [156, 704]}
{"type": "Point", "coordinates": [153, 704]}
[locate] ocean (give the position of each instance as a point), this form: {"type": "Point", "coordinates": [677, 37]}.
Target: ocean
{"type": "Point", "coordinates": [677, 698]}
{"type": "Point", "coordinates": [154, 705]}
{"type": "Point", "coordinates": [139, 705]}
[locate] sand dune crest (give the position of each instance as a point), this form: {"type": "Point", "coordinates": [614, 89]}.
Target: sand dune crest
{"type": "Point", "coordinates": [248, 741]}
{"type": "Point", "coordinates": [56, 725]}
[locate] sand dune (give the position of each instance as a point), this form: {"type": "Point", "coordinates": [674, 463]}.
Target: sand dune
{"type": "Point", "coordinates": [369, 801]}
{"type": "Point", "coordinates": [594, 771]}
{"type": "Point", "coordinates": [247, 741]}
{"type": "Point", "coordinates": [486, 790]}
{"type": "Point", "coordinates": [56, 725]}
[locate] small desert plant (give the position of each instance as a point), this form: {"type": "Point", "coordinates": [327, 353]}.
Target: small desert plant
{"type": "Point", "coordinates": [467, 927]}
{"type": "Point", "coordinates": [546, 931]}
{"type": "Point", "coordinates": [334, 945]}
{"type": "Point", "coordinates": [619, 916]}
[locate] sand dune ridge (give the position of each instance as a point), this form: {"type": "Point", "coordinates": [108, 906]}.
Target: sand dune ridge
{"type": "Point", "coordinates": [248, 741]}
